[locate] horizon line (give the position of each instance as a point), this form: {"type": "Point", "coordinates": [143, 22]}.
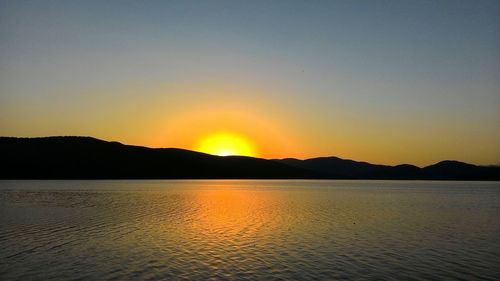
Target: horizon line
{"type": "Point", "coordinates": [271, 159]}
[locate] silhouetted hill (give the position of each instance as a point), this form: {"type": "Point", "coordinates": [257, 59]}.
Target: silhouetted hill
{"type": "Point", "coordinates": [334, 167]}
{"type": "Point", "coordinates": [459, 170]}
{"type": "Point", "coordinates": [86, 158]}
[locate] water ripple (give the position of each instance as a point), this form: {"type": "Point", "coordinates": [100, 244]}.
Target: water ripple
{"type": "Point", "coordinates": [249, 230]}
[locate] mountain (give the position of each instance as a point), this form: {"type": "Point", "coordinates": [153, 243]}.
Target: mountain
{"type": "Point", "coordinates": [334, 167]}
{"type": "Point", "coordinates": [450, 170]}
{"type": "Point", "coordinates": [90, 158]}
{"type": "Point", "coordinates": [86, 157]}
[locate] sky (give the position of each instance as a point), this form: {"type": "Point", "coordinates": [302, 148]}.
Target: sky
{"type": "Point", "coordinates": [386, 82]}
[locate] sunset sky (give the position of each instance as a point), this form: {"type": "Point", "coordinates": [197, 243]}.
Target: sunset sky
{"type": "Point", "coordinates": [386, 82]}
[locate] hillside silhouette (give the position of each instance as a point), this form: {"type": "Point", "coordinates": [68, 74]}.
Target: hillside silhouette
{"type": "Point", "coordinates": [334, 167]}
{"type": "Point", "coordinates": [91, 158]}
{"type": "Point", "coordinates": [86, 157]}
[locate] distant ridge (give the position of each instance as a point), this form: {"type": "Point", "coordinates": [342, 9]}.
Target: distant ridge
{"type": "Point", "coordinates": [90, 158]}
{"type": "Point", "coordinates": [334, 167]}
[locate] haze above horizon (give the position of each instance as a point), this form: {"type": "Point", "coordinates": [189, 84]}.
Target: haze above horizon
{"type": "Point", "coordinates": [381, 81]}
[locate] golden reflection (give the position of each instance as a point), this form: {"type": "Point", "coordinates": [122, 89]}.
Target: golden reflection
{"type": "Point", "coordinates": [232, 214]}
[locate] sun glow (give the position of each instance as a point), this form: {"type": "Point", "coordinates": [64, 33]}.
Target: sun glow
{"type": "Point", "coordinates": [224, 144]}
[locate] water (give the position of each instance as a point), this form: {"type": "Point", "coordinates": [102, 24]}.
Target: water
{"type": "Point", "coordinates": [248, 230]}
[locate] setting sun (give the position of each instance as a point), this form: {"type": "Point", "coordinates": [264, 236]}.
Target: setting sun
{"type": "Point", "coordinates": [224, 144]}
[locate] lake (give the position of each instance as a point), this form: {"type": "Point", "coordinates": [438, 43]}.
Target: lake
{"type": "Point", "coordinates": [249, 230]}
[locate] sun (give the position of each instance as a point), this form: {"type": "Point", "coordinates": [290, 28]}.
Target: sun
{"type": "Point", "coordinates": [225, 144]}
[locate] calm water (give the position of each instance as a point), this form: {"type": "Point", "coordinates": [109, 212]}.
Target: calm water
{"type": "Point", "coordinates": [268, 230]}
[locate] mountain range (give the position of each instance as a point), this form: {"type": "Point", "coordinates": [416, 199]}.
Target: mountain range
{"type": "Point", "coordinates": [91, 158]}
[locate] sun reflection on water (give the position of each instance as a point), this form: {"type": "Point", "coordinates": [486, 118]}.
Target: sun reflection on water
{"type": "Point", "coordinates": [231, 214]}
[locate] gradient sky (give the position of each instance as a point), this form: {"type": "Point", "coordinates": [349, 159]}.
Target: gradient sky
{"type": "Point", "coordinates": [381, 81]}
